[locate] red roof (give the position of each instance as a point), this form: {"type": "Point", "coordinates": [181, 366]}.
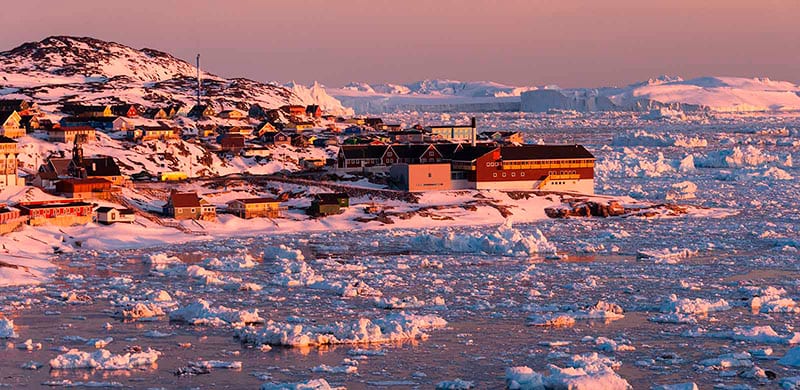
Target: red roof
{"type": "Point", "coordinates": [185, 199]}
{"type": "Point", "coordinates": [257, 200]}
{"type": "Point", "coordinates": [73, 128]}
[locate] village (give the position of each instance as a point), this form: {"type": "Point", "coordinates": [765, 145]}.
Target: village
{"type": "Point", "coordinates": [389, 157]}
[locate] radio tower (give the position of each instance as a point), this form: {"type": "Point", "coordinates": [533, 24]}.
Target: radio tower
{"type": "Point", "coordinates": [198, 79]}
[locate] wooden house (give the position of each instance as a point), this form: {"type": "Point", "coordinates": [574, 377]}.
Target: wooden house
{"type": "Point", "coordinates": [328, 204]}
{"type": "Point", "coordinates": [298, 127]}
{"type": "Point", "coordinates": [89, 188]}
{"type": "Point", "coordinates": [10, 218]}
{"type": "Point", "coordinates": [187, 205]}
{"type": "Point", "coordinates": [504, 137]}
{"type": "Point", "coordinates": [64, 212]}
{"type": "Point", "coordinates": [31, 123]}
{"type": "Point", "coordinates": [294, 110]}
{"type": "Point", "coordinates": [313, 110]}
{"type": "Point", "coordinates": [231, 114]}
{"type": "Point", "coordinates": [231, 143]}
{"type": "Point", "coordinates": [108, 215]}
{"type": "Point", "coordinates": [21, 106]}
{"type": "Point", "coordinates": [149, 133]}
{"type": "Point", "coordinates": [67, 134]}
{"type": "Point", "coordinates": [126, 110]}
{"type": "Point", "coordinates": [155, 113]}
{"type": "Point", "coordinates": [9, 161]}
{"type": "Point", "coordinates": [10, 124]}
{"type": "Point", "coordinates": [300, 140]}
{"type": "Point", "coordinates": [255, 208]}
{"type": "Point", "coordinates": [86, 110]}
{"type": "Point", "coordinates": [263, 128]}
{"type": "Point", "coordinates": [278, 138]}
{"type": "Point", "coordinates": [201, 111]}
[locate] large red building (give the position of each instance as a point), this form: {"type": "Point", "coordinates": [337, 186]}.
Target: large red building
{"type": "Point", "coordinates": [528, 167]}
{"type": "Point", "coordinates": [64, 212]}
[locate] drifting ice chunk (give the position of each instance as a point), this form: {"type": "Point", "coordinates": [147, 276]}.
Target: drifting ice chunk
{"type": "Point", "coordinates": [667, 255]}
{"type": "Point", "coordinates": [208, 364]}
{"type": "Point", "coordinates": [681, 191]}
{"type": "Point", "coordinates": [201, 313]}
{"type": "Point", "coordinates": [758, 334]}
{"type": "Point", "coordinates": [728, 360]}
{"type": "Point", "coordinates": [455, 384]}
{"type": "Point", "coordinates": [566, 316]}
{"type": "Point", "coordinates": [393, 327]}
{"type": "Point", "coordinates": [104, 360]}
{"type": "Point", "coordinates": [140, 310]}
{"type": "Point", "coordinates": [7, 329]}
{"type": "Point", "coordinates": [523, 378]}
{"type": "Point", "coordinates": [678, 386]}
{"type": "Point", "coordinates": [313, 384]}
{"type": "Point", "coordinates": [693, 306]}
{"type": "Point", "coordinates": [241, 262]}
{"type": "Point", "coordinates": [505, 240]}
{"type": "Point", "coordinates": [792, 358]}
{"type": "Point", "coordinates": [584, 372]}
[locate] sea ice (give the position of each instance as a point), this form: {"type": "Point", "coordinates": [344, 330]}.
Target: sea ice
{"type": "Point", "coordinates": [104, 360]}
{"type": "Point", "coordinates": [201, 313]}
{"type": "Point", "coordinates": [393, 327]}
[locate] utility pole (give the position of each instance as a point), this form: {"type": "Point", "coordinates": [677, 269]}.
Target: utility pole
{"type": "Point", "coordinates": [199, 84]}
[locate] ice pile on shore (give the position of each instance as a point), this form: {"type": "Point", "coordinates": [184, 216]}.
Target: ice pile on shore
{"type": "Point", "coordinates": [685, 311]}
{"type": "Point", "coordinates": [7, 329]}
{"type": "Point", "coordinates": [554, 315]}
{"type": "Point", "coordinates": [392, 328]}
{"type": "Point", "coordinates": [201, 313]}
{"type": "Point", "coordinates": [104, 360]}
{"type": "Point", "coordinates": [583, 372]}
{"type": "Point", "coordinates": [505, 240]}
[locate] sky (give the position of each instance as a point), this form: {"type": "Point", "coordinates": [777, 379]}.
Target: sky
{"type": "Point", "coordinates": [571, 43]}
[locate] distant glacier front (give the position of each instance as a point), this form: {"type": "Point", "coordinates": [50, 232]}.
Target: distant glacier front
{"type": "Point", "coordinates": [721, 94]}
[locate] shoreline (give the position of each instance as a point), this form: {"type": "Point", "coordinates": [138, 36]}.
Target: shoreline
{"type": "Point", "coordinates": [39, 245]}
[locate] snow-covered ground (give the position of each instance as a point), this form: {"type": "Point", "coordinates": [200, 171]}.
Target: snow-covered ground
{"type": "Point", "coordinates": [709, 298]}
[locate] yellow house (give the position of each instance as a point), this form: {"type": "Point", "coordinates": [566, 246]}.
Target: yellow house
{"type": "Point", "coordinates": [298, 126]}
{"type": "Point", "coordinates": [10, 126]}
{"type": "Point", "coordinates": [255, 208]}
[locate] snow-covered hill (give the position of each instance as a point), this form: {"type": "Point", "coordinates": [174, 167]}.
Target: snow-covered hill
{"type": "Point", "coordinates": [60, 68]}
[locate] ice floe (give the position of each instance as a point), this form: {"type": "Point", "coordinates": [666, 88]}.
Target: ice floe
{"type": "Point", "coordinates": [504, 240]}
{"type": "Point", "coordinates": [393, 327]}
{"type": "Point", "coordinates": [104, 360]}
{"type": "Point", "coordinates": [202, 313]}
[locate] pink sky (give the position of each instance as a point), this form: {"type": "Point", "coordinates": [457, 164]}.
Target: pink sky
{"type": "Point", "coordinates": [569, 43]}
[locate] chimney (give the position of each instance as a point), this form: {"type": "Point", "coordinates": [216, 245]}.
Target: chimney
{"type": "Point", "coordinates": [474, 131]}
{"type": "Point", "coordinates": [198, 79]}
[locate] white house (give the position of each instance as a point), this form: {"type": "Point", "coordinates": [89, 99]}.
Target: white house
{"type": "Point", "coordinates": [109, 215]}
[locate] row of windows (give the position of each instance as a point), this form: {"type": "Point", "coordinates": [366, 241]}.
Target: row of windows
{"type": "Point", "coordinates": [513, 174]}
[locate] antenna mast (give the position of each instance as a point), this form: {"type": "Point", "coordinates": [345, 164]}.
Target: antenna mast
{"type": "Point", "coordinates": [198, 79]}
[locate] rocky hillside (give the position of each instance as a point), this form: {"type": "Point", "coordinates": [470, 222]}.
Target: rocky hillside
{"type": "Point", "coordinates": [60, 69]}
